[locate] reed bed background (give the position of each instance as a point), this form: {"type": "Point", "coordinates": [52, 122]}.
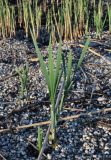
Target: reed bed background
{"type": "Point", "coordinates": [68, 19]}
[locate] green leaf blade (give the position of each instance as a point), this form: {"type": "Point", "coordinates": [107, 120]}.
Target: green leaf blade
{"type": "Point", "coordinates": [42, 63]}
{"type": "Point", "coordinates": [83, 53]}
{"type": "Point", "coordinates": [69, 67]}
{"type": "Point", "coordinates": [58, 65]}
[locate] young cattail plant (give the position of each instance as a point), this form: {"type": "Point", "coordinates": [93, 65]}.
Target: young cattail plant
{"type": "Point", "coordinates": [109, 15]}
{"type": "Point", "coordinates": [39, 139]}
{"type": "Point", "coordinates": [53, 76]}
{"type": "Point", "coordinates": [23, 76]}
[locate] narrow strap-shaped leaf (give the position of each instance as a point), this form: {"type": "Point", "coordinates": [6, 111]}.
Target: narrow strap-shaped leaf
{"type": "Point", "coordinates": [104, 21]}
{"type": "Point", "coordinates": [42, 63]}
{"type": "Point", "coordinates": [69, 67]}
{"type": "Point", "coordinates": [58, 65]}
{"type": "Point", "coordinates": [83, 52]}
{"type": "Point", "coordinates": [58, 80]}
{"type": "Point", "coordinates": [64, 66]}
{"type": "Point", "coordinates": [51, 70]}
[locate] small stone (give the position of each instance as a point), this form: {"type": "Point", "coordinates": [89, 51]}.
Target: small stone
{"type": "Point", "coordinates": [94, 156]}
{"type": "Point", "coordinates": [49, 157]}
{"type": "Point", "coordinates": [85, 145]}
{"type": "Point", "coordinates": [105, 135]}
{"type": "Point", "coordinates": [63, 155]}
{"type": "Point", "coordinates": [106, 147]}
{"type": "Point", "coordinates": [90, 134]}
{"type": "Point", "coordinates": [31, 121]}
{"type": "Point", "coordinates": [101, 99]}
{"type": "Point", "coordinates": [106, 152]}
{"type": "Point", "coordinates": [96, 133]}
{"type": "Point", "coordinates": [110, 81]}
{"type": "Point", "coordinates": [21, 139]}
{"type": "Point", "coordinates": [102, 144]}
{"type": "Point", "coordinates": [86, 151]}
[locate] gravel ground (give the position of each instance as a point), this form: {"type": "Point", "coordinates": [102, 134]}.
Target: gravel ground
{"type": "Point", "coordinates": [87, 137]}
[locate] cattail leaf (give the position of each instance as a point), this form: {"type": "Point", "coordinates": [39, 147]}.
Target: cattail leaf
{"type": "Point", "coordinates": [51, 70]}
{"type": "Point", "coordinates": [83, 53]}
{"type": "Point", "coordinates": [69, 67]}
{"type": "Point", "coordinates": [58, 65]}
{"type": "Point", "coordinates": [42, 63]}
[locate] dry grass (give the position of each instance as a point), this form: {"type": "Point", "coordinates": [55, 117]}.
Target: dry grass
{"type": "Point", "coordinates": [68, 19]}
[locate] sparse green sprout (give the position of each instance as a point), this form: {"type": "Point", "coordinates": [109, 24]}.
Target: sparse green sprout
{"type": "Point", "coordinates": [53, 75]}
{"type": "Point", "coordinates": [23, 76]}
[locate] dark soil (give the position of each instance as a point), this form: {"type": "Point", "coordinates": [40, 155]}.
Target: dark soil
{"type": "Point", "coordinates": [87, 137]}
